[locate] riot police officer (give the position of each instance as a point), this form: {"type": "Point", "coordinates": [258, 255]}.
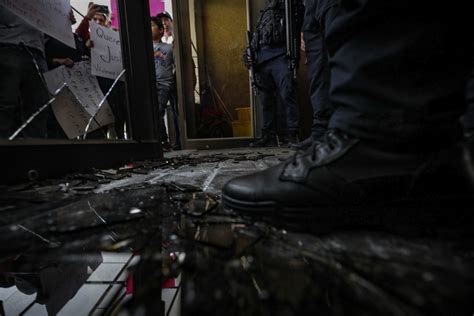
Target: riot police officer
{"type": "Point", "coordinates": [272, 71]}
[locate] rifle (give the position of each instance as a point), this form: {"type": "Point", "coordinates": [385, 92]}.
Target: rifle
{"type": "Point", "coordinates": [292, 23]}
{"type": "Point", "coordinates": [252, 58]}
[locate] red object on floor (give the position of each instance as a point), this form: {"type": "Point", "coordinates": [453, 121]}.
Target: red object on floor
{"type": "Point", "coordinates": [169, 284]}
{"type": "Point", "coordinates": [129, 284]}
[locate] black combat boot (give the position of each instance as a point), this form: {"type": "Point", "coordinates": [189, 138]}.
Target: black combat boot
{"type": "Point", "coordinates": [293, 139]}
{"type": "Point", "coordinates": [304, 144]}
{"type": "Point", "coordinates": [267, 140]}
{"type": "Point", "coordinates": [346, 181]}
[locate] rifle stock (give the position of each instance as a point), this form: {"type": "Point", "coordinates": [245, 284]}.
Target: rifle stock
{"type": "Point", "coordinates": [292, 39]}
{"type": "Point", "coordinates": [251, 67]}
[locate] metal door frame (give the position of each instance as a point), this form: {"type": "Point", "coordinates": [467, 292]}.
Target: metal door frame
{"type": "Point", "coordinates": [48, 158]}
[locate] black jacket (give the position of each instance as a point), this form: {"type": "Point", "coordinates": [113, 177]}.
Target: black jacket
{"type": "Point", "coordinates": [56, 49]}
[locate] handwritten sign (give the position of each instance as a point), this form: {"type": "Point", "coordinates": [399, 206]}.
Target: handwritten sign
{"type": "Point", "coordinates": [85, 88]}
{"type": "Point", "coordinates": [70, 114]}
{"type": "Point", "coordinates": [48, 16]}
{"type": "Point", "coordinates": [106, 55]}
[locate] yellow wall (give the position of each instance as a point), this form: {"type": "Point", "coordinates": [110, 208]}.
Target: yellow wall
{"type": "Point", "coordinates": [224, 27]}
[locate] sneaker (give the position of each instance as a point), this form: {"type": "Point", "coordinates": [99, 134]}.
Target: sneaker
{"type": "Point", "coordinates": [343, 180]}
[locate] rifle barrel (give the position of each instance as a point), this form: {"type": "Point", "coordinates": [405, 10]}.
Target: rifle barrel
{"type": "Point", "coordinates": [289, 27]}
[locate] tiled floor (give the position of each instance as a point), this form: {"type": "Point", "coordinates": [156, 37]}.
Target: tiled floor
{"type": "Point", "coordinates": [73, 297]}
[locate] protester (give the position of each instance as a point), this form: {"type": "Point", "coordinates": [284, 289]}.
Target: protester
{"type": "Point", "coordinates": [167, 20]}
{"type": "Point", "coordinates": [117, 100]}
{"type": "Point", "coordinates": [165, 79]}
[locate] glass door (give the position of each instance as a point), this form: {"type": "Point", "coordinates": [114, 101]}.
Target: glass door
{"type": "Point", "coordinates": [217, 103]}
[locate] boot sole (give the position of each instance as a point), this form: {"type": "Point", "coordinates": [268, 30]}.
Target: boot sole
{"type": "Point", "coordinates": [410, 216]}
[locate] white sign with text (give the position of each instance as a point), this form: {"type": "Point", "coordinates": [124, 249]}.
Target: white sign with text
{"type": "Point", "coordinates": [85, 88]}
{"type": "Point", "coordinates": [106, 55]}
{"type": "Point", "coordinates": [71, 115]}
{"type": "Point", "coordinates": [48, 16]}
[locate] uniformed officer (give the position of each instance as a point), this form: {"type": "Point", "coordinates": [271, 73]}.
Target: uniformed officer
{"type": "Point", "coordinates": [272, 72]}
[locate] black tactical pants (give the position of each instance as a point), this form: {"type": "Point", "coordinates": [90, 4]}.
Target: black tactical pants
{"type": "Point", "coordinates": [318, 72]}
{"type": "Point", "coordinates": [401, 77]}
{"type": "Point", "coordinates": [274, 77]}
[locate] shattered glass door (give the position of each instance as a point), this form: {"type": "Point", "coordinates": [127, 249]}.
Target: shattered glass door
{"type": "Point", "coordinates": [62, 71]}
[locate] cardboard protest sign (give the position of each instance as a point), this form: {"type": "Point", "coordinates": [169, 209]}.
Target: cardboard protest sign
{"type": "Point", "coordinates": [71, 115]}
{"type": "Point", "coordinates": [106, 55]}
{"type": "Point", "coordinates": [48, 16]}
{"type": "Point", "coordinates": [85, 88]}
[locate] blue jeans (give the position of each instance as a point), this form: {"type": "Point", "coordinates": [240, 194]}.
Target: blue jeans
{"type": "Point", "coordinates": [165, 94]}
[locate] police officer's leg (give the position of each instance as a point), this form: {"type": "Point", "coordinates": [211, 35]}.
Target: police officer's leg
{"type": "Point", "coordinates": [282, 127]}
{"type": "Point", "coordinates": [318, 71]}
{"type": "Point", "coordinates": [268, 100]}
{"type": "Point", "coordinates": [398, 83]}
{"type": "Point", "coordinates": [399, 78]}
{"type": "Point", "coordinates": [286, 86]}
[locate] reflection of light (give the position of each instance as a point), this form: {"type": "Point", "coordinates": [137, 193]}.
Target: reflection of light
{"type": "Point", "coordinates": [135, 210]}
{"type": "Point", "coordinates": [181, 258]}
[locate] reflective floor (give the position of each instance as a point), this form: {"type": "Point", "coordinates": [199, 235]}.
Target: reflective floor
{"type": "Point", "coordinates": [152, 238]}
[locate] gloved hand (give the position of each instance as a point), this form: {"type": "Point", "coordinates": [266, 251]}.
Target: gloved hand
{"type": "Point", "coordinates": [246, 58]}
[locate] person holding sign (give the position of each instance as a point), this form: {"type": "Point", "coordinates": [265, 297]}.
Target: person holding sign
{"type": "Point", "coordinates": [98, 14]}
{"type": "Point", "coordinates": [58, 53]}
{"type": "Point", "coordinates": [101, 23]}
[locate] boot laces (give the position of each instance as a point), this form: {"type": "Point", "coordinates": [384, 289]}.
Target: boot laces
{"type": "Point", "coordinates": [329, 139]}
